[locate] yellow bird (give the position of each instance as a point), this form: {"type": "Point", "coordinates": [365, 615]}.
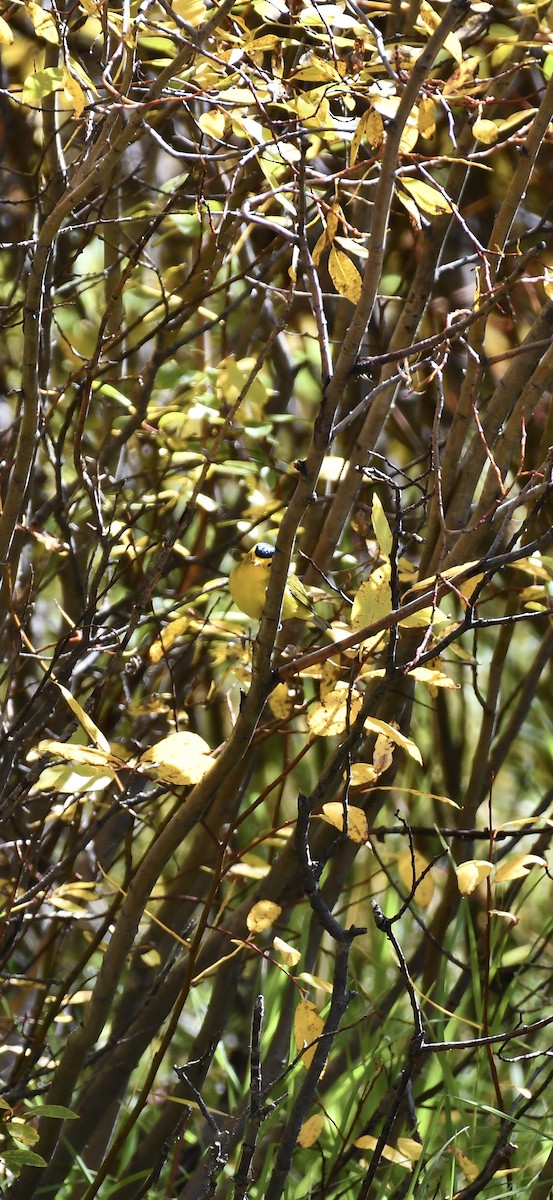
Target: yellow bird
{"type": "Point", "coordinates": [248, 585]}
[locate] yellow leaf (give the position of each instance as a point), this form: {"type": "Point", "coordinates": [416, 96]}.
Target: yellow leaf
{"type": "Point", "coordinates": [72, 779]}
{"type": "Point", "coordinates": [336, 710]}
{"type": "Point", "coordinates": [486, 132]}
{"type": "Point", "coordinates": [426, 197]}
{"type": "Point", "coordinates": [411, 208]}
{"type": "Point", "coordinates": [426, 120]}
{"type": "Point", "coordinates": [314, 981]}
{"type": "Point", "coordinates": [471, 873]}
{"type": "Point", "coordinates": [262, 916]}
{"type": "Point", "coordinates": [410, 1148]}
{"type": "Point", "coordinates": [213, 123]}
{"type": "Point", "coordinates": [181, 758]}
{"type": "Point", "coordinates": [453, 45]}
{"type": "Point", "coordinates": [44, 24]}
{"type": "Point", "coordinates": [358, 829]}
{"type": "Point", "coordinates": [281, 701]}
{"type": "Point", "coordinates": [344, 275]}
{"type": "Point", "coordinates": [193, 11]}
{"type": "Point", "coordinates": [390, 731]}
{"type": "Point", "coordinates": [289, 954]}
{"type": "Point", "coordinates": [372, 602]}
{"type": "Point", "coordinates": [381, 528]}
{"type": "Point", "coordinates": [73, 92]}
{"type": "Point", "coordinates": [425, 889]}
{"type": "Point", "coordinates": [370, 128]}
{"type": "Point", "coordinates": [368, 1142]}
{"type": "Point", "coordinates": [362, 773]}
{"type": "Point", "coordinates": [433, 678]}
{"type": "Point", "coordinates": [508, 917]}
{"type": "Point", "coordinates": [167, 638]}
{"type": "Point", "coordinates": [311, 1130]}
{"type": "Point", "coordinates": [423, 618]}
{"type": "Point", "coordinates": [383, 754]}
{"type": "Point", "coordinates": [308, 1026]}
{"type": "Point", "coordinates": [317, 70]}
{"type": "Point", "coordinates": [517, 867]}
{"type": "Point", "coordinates": [6, 35]}
{"type": "Point", "coordinates": [87, 723]}
{"type": "Point", "coordinates": [469, 1169]}
{"type": "Point", "coordinates": [91, 756]}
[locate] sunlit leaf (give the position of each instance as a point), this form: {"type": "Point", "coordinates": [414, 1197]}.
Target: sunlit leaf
{"type": "Point", "coordinates": [281, 701]}
{"type": "Point", "coordinates": [289, 954]}
{"type": "Point", "coordinates": [427, 117]}
{"type": "Point", "coordinates": [192, 11]}
{"type": "Point", "coordinates": [426, 197]}
{"type": "Point", "coordinates": [74, 92]}
{"type": "Point", "coordinates": [308, 1026]}
{"type": "Point", "coordinates": [213, 123]}
{"type": "Point", "coordinates": [433, 678]}
{"type": "Point", "coordinates": [372, 602]}
{"type": "Point", "coordinates": [381, 527]}
{"type": "Point", "coordinates": [335, 711]}
{"type": "Point", "coordinates": [390, 731]}
{"type": "Point", "coordinates": [42, 83]}
{"type": "Point", "coordinates": [410, 1148]}
{"type": "Point", "coordinates": [370, 129]}
{"type": "Point", "coordinates": [6, 35]}
{"type": "Point", "coordinates": [357, 827]}
{"type": "Point", "coordinates": [311, 1130]}
{"type": "Point", "coordinates": [344, 275]}
{"type": "Point", "coordinates": [362, 774]}
{"type": "Point", "coordinates": [517, 867]}
{"type": "Point", "coordinates": [471, 873]}
{"type": "Point", "coordinates": [425, 889]}
{"type": "Point", "coordinates": [368, 1142]}
{"type": "Point", "coordinates": [44, 24]}
{"type": "Point", "coordinates": [262, 915]}
{"type": "Point", "coordinates": [181, 758]}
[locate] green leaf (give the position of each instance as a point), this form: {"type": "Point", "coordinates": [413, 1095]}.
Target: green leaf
{"type": "Point", "coordinates": [42, 83]}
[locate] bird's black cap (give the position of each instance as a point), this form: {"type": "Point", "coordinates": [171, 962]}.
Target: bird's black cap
{"type": "Point", "coordinates": [264, 550]}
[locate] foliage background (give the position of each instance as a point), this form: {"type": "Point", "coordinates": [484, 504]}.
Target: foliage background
{"type": "Point", "coordinates": [276, 272]}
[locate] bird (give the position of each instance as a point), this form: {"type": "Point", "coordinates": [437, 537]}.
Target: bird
{"type": "Point", "coordinates": [248, 582]}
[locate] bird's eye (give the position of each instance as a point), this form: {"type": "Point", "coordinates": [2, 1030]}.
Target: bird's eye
{"type": "Point", "coordinates": [263, 550]}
